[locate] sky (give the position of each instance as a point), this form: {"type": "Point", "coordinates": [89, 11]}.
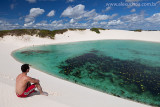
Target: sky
{"type": "Point", "coordinates": [62, 14]}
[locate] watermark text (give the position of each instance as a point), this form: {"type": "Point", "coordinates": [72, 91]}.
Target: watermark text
{"type": "Point", "coordinates": [131, 4]}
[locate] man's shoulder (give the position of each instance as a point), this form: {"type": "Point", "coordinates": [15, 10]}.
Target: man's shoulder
{"type": "Point", "coordinates": [25, 77]}
{"type": "Point", "coordinates": [19, 76]}
{"type": "Point", "coordinates": [22, 77]}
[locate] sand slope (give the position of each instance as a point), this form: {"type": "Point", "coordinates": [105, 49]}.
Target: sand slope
{"type": "Point", "coordinates": [61, 93]}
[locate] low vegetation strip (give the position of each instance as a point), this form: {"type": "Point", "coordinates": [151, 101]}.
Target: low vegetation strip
{"type": "Point", "coordinates": [96, 29]}
{"type": "Point", "coordinates": [37, 32]}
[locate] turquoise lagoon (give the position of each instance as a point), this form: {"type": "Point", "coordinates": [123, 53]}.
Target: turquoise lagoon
{"type": "Point", "coordinates": [124, 68]}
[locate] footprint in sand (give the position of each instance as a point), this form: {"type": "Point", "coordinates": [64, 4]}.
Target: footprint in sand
{"type": "Point", "coordinates": [50, 93]}
{"type": "Point", "coordinates": [7, 77]}
{"type": "Point", "coordinates": [54, 94]}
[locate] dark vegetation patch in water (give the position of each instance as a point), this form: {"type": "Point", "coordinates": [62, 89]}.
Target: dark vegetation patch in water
{"type": "Point", "coordinates": [32, 52]}
{"type": "Point", "coordinates": [94, 51]}
{"type": "Point", "coordinates": [103, 72]}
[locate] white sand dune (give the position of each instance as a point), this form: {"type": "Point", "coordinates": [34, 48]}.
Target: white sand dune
{"type": "Point", "coordinates": [61, 93]}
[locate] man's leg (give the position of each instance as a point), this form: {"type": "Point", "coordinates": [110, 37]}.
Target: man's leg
{"type": "Point", "coordinates": [28, 91]}
{"type": "Point", "coordinates": [40, 89]}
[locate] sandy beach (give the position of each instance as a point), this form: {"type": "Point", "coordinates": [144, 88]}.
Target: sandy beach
{"type": "Point", "coordinates": [61, 93]}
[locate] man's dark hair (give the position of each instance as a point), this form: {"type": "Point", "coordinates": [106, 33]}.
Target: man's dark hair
{"type": "Point", "coordinates": [24, 67]}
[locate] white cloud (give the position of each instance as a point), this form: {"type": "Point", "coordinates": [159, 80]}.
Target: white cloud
{"type": "Point", "coordinates": [1, 21]}
{"type": "Point", "coordinates": [70, 0]}
{"type": "Point", "coordinates": [133, 18]}
{"type": "Point", "coordinates": [133, 10]}
{"type": "Point", "coordinates": [103, 23]}
{"type": "Point", "coordinates": [56, 23]}
{"type": "Point", "coordinates": [115, 22]}
{"type": "Point", "coordinates": [135, 21]}
{"type": "Point", "coordinates": [104, 17]}
{"type": "Point", "coordinates": [75, 12]}
{"type": "Point", "coordinates": [34, 12]}
{"type": "Point", "coordinates": [94, 24]}
{"type": "Point", "coordinates": [133, 0]}
{"type": "Point", "coordinates": [101, 17]}
{"type": "Point", "coordinates": [31, 1]}
{"type": "Point", "coordinates": [78, 12]}
{"type": "Point", "coordinates": [90, 14]}
{"type": "Point", "coordinates": [28, 24]}
{"type": "Point", "coordinates": [42, 23]}
{"type": "Point", "coordinates": [155, 18]}
{"type": "Point", "coordinates": [51, 26]}
{"type": "Point", "coordinates": [113, 15]}
{"type": "Point", "coordinates": [72, 21]}
{"type": "Point", "coordinates": [107, 9]}
{"type": "Point", "coordinates": [12, 6]}
{"type": "Point", "coordinates": [158, 3]}
{"type": "Point", "coordinates": [51, 13]}
{"type": "Point", "coordinates": [47, 0]}
{"type": "Point", "coordinates": [6, 25]}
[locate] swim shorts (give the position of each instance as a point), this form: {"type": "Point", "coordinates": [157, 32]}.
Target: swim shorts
{"type": "Point", "coordinates": [28, 91]}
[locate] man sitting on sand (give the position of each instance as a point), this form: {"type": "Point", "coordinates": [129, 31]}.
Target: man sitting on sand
{"type": "Point", "coordinates": [23, 83]}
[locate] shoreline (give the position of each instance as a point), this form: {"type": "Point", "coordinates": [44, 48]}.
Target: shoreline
{"type": "Point", "coordinates": [68, 94]}
{"type": "Point", "coordinates": [80, 83]}
{"type": "Point", "coordinates": [80, 41]}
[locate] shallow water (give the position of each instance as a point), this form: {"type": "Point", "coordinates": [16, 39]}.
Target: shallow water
{"type": "Point", "coordinates": [128, 69]}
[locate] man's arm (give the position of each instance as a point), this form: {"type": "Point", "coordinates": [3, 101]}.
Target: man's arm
{"type": "Point", "coordinates": [32, 80]}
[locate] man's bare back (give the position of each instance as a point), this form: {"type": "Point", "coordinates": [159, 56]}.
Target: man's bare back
{"type": "Point", "coordinates": [23, 83]}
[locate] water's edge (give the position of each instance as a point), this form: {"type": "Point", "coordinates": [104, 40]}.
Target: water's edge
{"type": "Point", "coordinates": [64, 78]}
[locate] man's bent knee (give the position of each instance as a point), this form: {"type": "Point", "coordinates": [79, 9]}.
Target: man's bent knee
{"type": "Point", "coordinates": [37, 84]}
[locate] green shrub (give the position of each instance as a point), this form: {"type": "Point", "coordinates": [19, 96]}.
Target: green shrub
{"type": "Point", "coordinates": [61, 31]}
{"type": "Point", "coordinates": [138, 30]}
{"type": "Point", "coordinates": [101, 29]}
{"type": "Point", "coordinates": [18, 32]}
{"type": "Point", "coordinates": [95, 30]}
{"type": "Point", "coordinates": [37, 32]}
{"type": "Point", "coordinates": [51, 34]}
{"type": "Point", "coordinates": [45, 33]}
{"type": "Point", "coordinates": [3, 32]}
{"type": "Point", "coordinates": [33, 31]}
